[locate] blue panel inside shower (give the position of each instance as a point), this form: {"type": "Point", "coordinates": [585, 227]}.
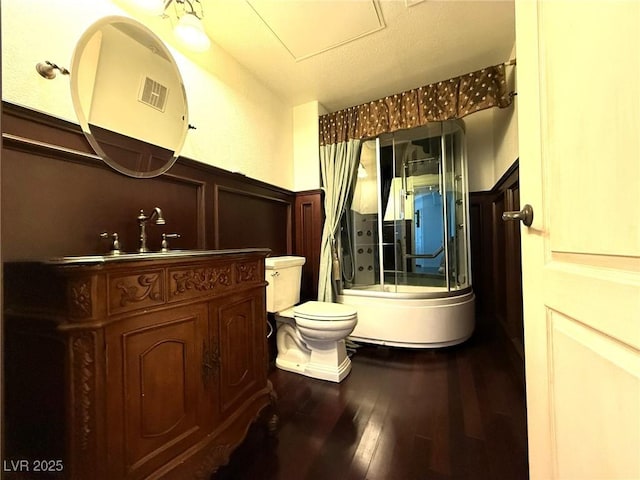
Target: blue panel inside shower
{"type": "Point", "coordinates": [429, 233]}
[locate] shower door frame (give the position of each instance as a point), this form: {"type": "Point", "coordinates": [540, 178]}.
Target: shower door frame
{"type": "Point", "coordinates": [380, 214]}
{"type": "Point", "coordinates": [399, 205]}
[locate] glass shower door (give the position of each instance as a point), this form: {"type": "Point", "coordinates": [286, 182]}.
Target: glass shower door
{"type": "Point", "coordinates": [421, 224]}
{"type": "Point", "coordinates": [459, 269]}
{"type": "Point", "coordinates": [406, 226]}
{"type": "Point", "coordinates": [455, 189]}
{"type": "Point", "coordinates": [360, 230]}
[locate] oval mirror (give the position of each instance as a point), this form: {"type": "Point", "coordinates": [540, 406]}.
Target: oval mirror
{"type": "Point", "coordinates": [129, 97]}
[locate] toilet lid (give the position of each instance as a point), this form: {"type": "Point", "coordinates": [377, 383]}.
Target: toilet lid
{"type": "Point", "coordinates": [325, 311]}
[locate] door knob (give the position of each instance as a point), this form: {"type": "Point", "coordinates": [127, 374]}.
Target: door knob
{"type": "Point", "coordinates": [526, 215]}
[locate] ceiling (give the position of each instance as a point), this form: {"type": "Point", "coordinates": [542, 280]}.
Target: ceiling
{"type": "Point", "coordinates": [347, 52]}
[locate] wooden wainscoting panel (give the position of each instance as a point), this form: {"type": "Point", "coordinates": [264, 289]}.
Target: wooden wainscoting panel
{"type": "Point", "coordinates": [496, 264]}
{"type": "Point", "coordinates": [309, 220]}
{"type": "Point", "coordinates": [58, 196]}
{"type": "Point", "coordinates": [244, 219]}
{"type": "Point", "coordinates": [52, 207]}
{"type": "Point", "coordinates": [499, 257]}
{"type": "Point", "coordinates": [39, 127]}
{"type": "Point", "coordinates": [481, 250]}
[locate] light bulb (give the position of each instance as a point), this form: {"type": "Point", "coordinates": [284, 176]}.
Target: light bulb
{"type": "Point", "coordinates": [190, 30]}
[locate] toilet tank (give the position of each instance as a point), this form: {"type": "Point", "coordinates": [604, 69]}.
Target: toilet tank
{"type": "Point", "coordinates": [284, 275]}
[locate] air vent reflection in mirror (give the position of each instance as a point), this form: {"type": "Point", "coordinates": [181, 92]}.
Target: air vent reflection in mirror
{"type": "Point", "coordinates": [153, 94]}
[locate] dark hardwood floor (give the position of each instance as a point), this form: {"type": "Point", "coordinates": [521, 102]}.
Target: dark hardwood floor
{"type": "Point", "coordinates": [454, 413]}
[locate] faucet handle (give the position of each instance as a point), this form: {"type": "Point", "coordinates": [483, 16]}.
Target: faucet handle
{"type": "Point", "coordinates": [165, 244]}
{"type": "Point", "coordinates": [115, 245]}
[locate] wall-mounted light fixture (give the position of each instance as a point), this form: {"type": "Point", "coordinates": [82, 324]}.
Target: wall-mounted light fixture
{"type": "Point", "coordinates": [189, 13]}
{"type": "Point", "coordinates": [48, 70]}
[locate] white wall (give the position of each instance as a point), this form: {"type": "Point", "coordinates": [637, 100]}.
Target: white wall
{"type": "Point", "coordinates": [492, 140]}
{"type": "Point", "coordinates": [480, 150]}
{"type": "Point", "coordinates": [306, 144]}
{"type": "Point", "coordinates": [505, 139]}
{"type": "Point", "coordinates": [241, 125]}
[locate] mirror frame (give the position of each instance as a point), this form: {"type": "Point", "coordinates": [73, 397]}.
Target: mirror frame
{"type": "Point", "coordinates": [83, 117]}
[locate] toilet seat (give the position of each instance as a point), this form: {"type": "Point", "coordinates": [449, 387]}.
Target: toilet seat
{"type": "Point", "coordinates": [324, 311]}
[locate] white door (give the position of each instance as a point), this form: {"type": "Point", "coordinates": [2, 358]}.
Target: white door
{"type": "Point", "coordinates": [578, 74]}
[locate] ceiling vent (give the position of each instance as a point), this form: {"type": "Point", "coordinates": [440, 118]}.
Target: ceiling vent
{"type": "Point", "coordinates": [153, 94]}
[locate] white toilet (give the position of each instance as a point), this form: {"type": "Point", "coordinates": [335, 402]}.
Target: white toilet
{"type": "Point", "coordinates": [310, 337]}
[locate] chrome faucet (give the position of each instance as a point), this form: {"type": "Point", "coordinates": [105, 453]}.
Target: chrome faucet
{"type": "Point", "coordinates": [142, 221]}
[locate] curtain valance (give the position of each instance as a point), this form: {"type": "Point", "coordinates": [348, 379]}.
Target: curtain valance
{"type": "Point", "coordinates": [436, 102]}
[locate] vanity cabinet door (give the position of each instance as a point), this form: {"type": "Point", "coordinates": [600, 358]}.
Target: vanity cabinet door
{"type": "Point", "coordinates": [156, 390]}
{"type": "Point", "coordinates": [238, 328]}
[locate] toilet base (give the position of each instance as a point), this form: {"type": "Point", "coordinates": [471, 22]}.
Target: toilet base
{"type": "Point", "coordinates": [331, 364]}
{"type": "Point", "coordinates": [333, 373]}
{"type": "Point", "coordinates": [311, 352]}
{"type": "Point", "coordinates": [321, 371]}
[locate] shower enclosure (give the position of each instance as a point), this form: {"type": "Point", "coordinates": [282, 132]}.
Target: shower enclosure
{"type": "Point", "coordinates": [404, 240]}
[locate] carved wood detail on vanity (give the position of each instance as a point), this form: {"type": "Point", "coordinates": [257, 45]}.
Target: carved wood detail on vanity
{"type": "Point", "coordinates": [201, 279]}
{"type": "Point", "coordinates": [128, 292]}
{"type": "Point", "coordinates": [247, 272]}
{"type": "Point", "coordinates": [218, 456]}
{"type": "Point", "coordinates": [80, 295]}
{"type": "Point", "coordinates": [83, 351]}
{"type": "Point", "coordinates": [125, 337]}
{"type": "Point", "coordinates": [145, 287]}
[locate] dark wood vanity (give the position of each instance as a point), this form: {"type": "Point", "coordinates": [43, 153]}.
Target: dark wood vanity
{"type": "Point", "coordinates": [136, 367]}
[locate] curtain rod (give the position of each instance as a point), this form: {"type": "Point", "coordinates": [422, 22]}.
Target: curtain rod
{"type": "Point", "coordinates": [510, 62]}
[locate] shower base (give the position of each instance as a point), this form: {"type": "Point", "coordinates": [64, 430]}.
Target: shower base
{"type": "Point", "coordinates": [411, 316]}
